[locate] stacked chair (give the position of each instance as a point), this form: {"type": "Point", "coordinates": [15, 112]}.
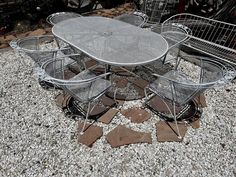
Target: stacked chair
{"type": "Point", "coordinates": [148, 13]}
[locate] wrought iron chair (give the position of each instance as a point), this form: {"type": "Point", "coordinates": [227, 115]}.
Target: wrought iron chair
{"type": "Point", "coordinates": [149, 12]}
{"type": "Point", "coordinates": [175, 34]}
{"type": "Point", "coordinates": [40, 49]}
{"type": "Point", "coordinates": [85, 86]}
{"type": "Point", "coordinates": [190, 76]}
{"type": "Point", "coordinates": [61, 16]}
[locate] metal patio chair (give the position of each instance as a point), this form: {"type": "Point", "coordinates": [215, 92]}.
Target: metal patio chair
{"type": "Point", "coordinates": [61, 16]}
{"type": "Point", "coordinates": [84, 87]}
{"type": "Point", "coordinates": [185, 81]}
{"type": "Point", "coordinates": [175, 34]}
{"type": "Point", "coordinates": [40, 49]}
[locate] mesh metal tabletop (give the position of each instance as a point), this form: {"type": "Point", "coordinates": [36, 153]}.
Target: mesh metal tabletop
{"type": "Point", "coordinates": [111, 41]}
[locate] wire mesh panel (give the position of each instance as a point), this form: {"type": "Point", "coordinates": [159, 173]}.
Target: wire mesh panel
{"type": "Point", "coordinates": [175, 33]}
{"type": "Point", "coordinates": [154, 9]}
{"type": "Point", "coordinates": [136, 18]}
{"type": "Point", "coordinates": [149, 12]}
{"type": "Point", "coordinates": [207, 35]}
{"type": "Point", "coordinates": [83, 85]}
{"type": "Point", "coordinates": [40, 49]}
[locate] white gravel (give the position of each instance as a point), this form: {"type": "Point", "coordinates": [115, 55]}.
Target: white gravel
{"type": "Point", "coordinates": [36, 139]}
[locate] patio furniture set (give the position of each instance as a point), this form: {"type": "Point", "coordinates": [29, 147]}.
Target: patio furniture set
{"type": "Point", "coordinates": [60, 58]}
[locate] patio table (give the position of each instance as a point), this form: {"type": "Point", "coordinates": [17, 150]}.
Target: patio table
{"type": "Point", "coordinates": [111, 41]}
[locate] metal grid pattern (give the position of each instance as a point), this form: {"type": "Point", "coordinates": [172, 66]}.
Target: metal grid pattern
{"type": "Point", "coordinates": [209, 36]}
{"type": "Point", "coordinates": [111, 41]}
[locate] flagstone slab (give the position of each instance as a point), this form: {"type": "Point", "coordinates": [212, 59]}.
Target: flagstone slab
{"type": "Point", "coordinates": [108, 116]}
{"type": "Point", "coordinates": [140, 82]}
{"type": "Point", "coordinates": [167, 131]}
{"type": "Point", "coordinates": [121, 136]}
{"type": "Point", "coordinates": [90, 63]}
{"type": "Point", "coordinates": [62, 100]}
{"type": "Point", "coordinates": [136, 115]}
{"type": "Point", "coordinates": [121, 82]}
{"type": "Point", "coordinates": [201, 100]}
{"type": "Point", "coordinates": [195, 124]}
{"type": "Point", "coordinates": [91, 134]}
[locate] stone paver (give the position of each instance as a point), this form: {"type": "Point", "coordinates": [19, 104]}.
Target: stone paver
{"type": "Point", "coordinates": [121, 83]}
{"type": "Point", "coordinates": [195, 124]}
{"type": "Point", "coordinates": [90, 135]}
{"type": "Point", "coordinates": [108, 116]}
{"type": "Point", "coordinates": [136, 115]}
{"type": "Point", "coordinates": [124, 136]}
{"type": "Point", "coordinates": [167, 131]}
{"type": "Point", "coordinates": [62, 100]}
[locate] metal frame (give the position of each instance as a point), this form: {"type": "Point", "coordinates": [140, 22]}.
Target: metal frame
{"type": "Point", "coordinates": [150, 12]}
{"type": "Point", "coordinates": [209, 36]}
{"type": "Point", "coordinates": [86, 84]}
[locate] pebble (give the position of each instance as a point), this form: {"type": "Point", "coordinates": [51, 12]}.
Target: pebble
{"type": "Point", "coordinates": [38, 140]}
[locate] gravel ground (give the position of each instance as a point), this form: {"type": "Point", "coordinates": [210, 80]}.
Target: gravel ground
{"type": "Point", "coordinates": [38, 140]}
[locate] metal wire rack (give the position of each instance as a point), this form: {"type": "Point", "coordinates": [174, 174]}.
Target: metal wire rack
{"type": "Point", "coordinates": [212, 37]}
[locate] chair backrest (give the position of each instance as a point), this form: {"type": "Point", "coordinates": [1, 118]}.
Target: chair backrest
{"type": "Point", "coordinates": [154, 9]}
{"type": "Point", "coordinates": [61, 16]}
{"type": "Point", "coordinates": [39, 47]}
{"type": "Point", "coordinates": [63, 73]}
{"type": "Point", "coordinates": [175, 33]}
{"type": "Point", "coordinates": [212, 37]}
{"type": "Point", "coordinates": [207, 72]}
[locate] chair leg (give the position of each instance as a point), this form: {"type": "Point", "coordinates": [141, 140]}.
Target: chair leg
{"type": "Point", "coordinates": [174, 115]}
{"type": "Point", "coordinates": [114, 98]}
{"type": "Point", "coordinates": [176, 124]}
{"type": "Point", "coordinates": [57, 42]}
{"type": "Point", "coordinates": [146, 97]}
{"type": "Point", "coordinates": [86, 118]}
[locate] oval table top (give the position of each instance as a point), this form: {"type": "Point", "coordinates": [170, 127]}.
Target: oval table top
{"type": "Point", "coordinates": [111, 41]}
